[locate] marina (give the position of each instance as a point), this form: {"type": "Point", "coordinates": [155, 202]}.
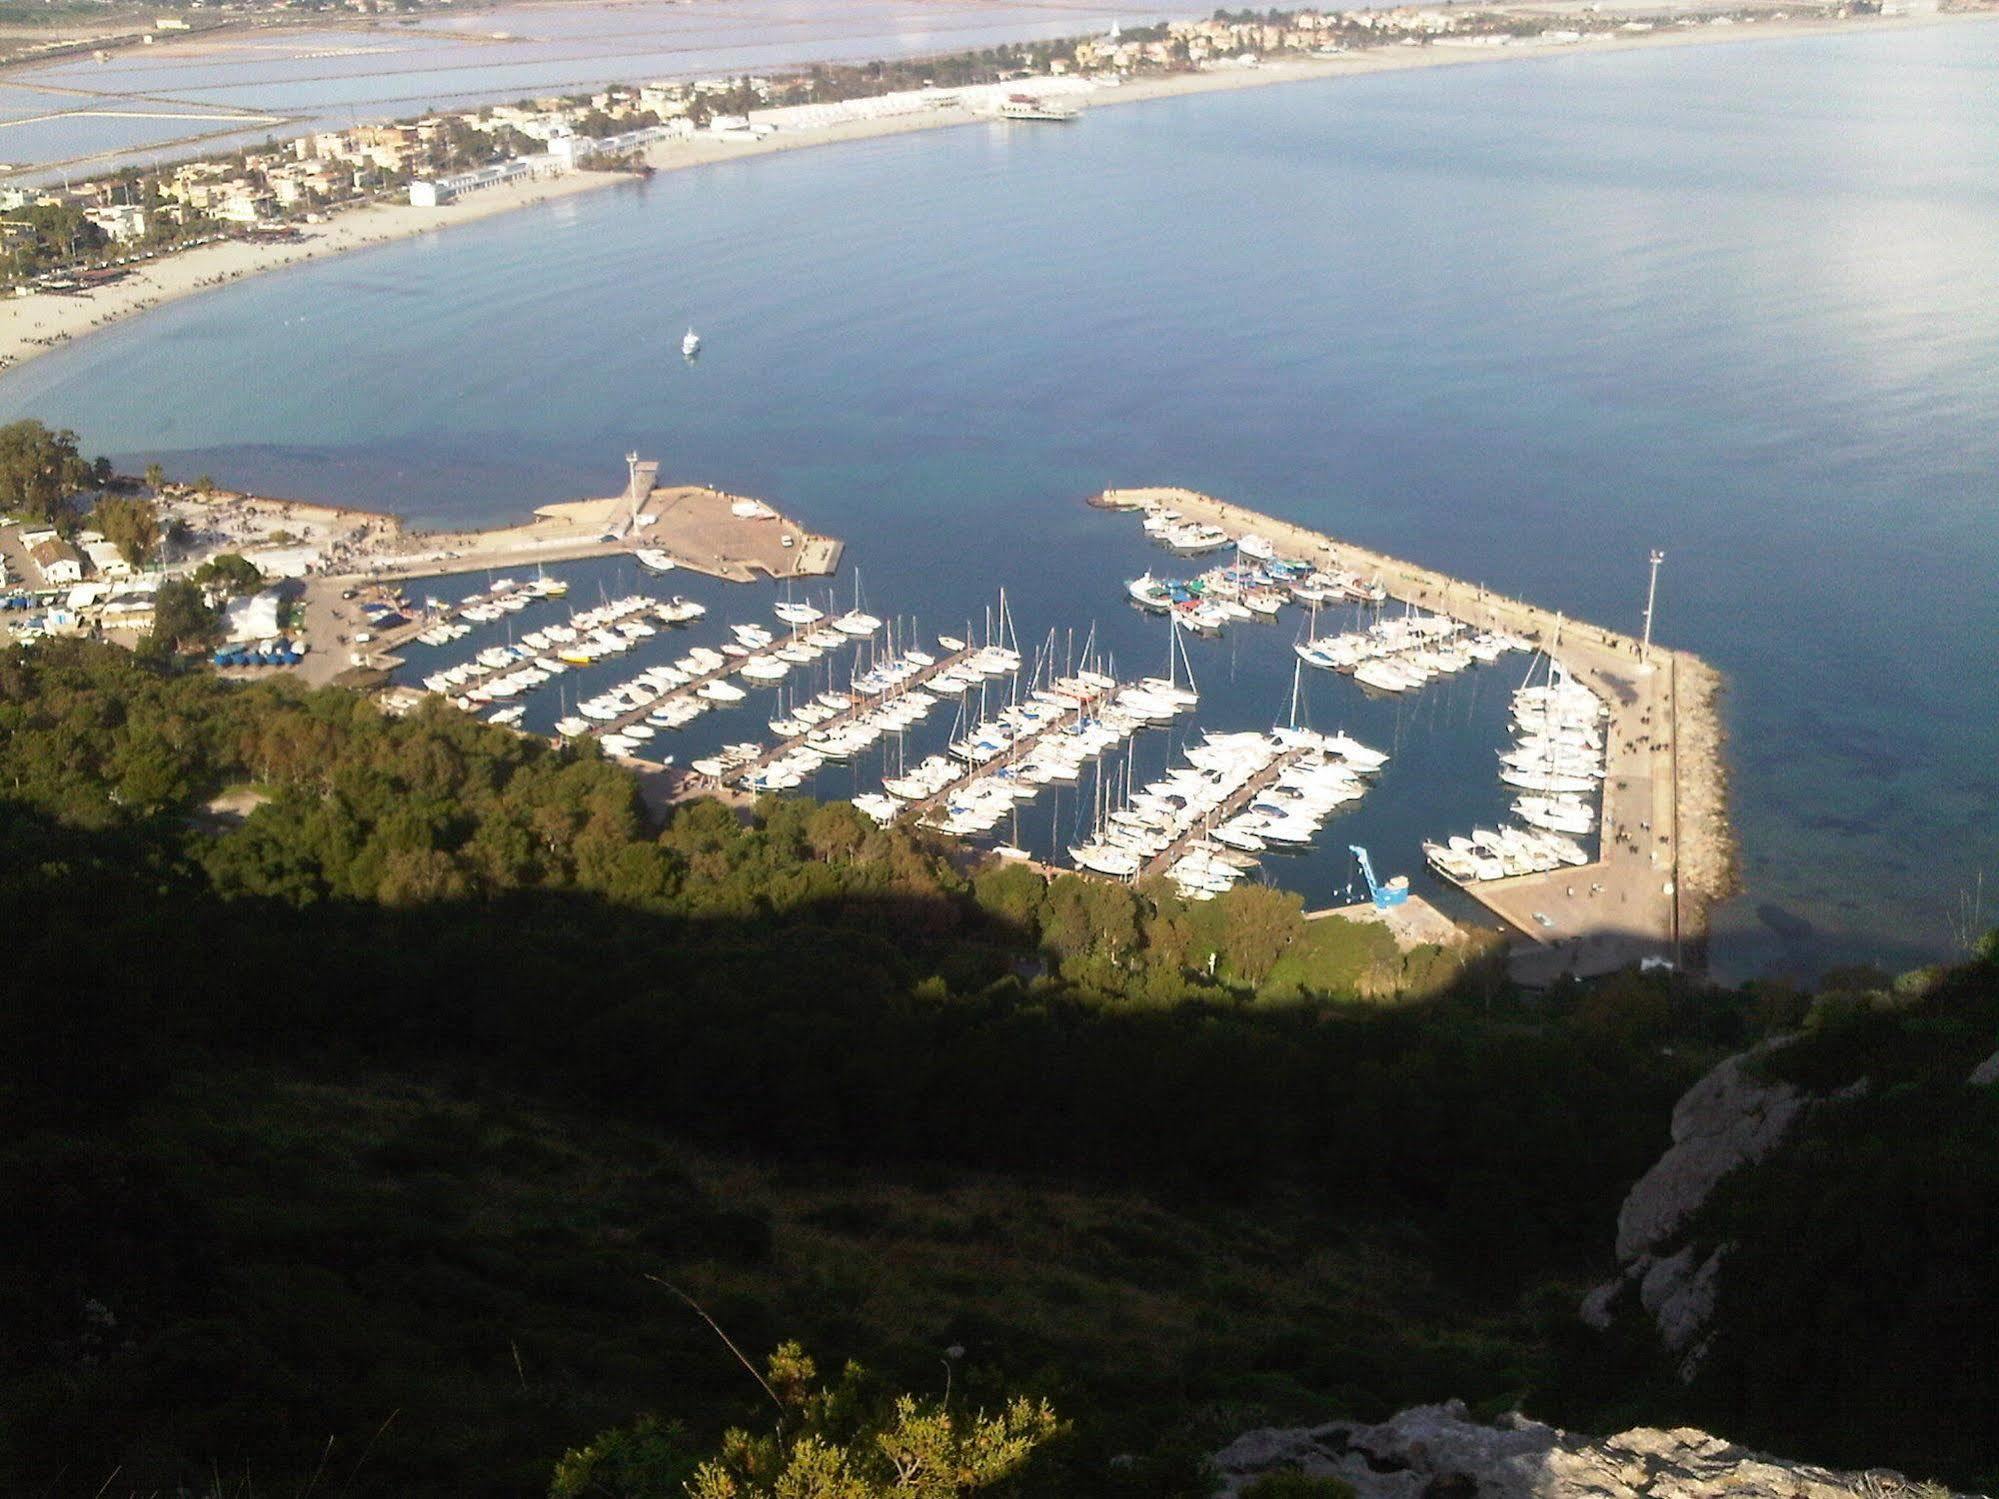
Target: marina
{"type": "Point", "coordinates": [1665, 850]}
{"type": "Point", "coordinates": [1590, 877]}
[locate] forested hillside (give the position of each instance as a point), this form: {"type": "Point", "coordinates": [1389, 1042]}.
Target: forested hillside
{"type": "Point", "coordinates": [357, 1072]}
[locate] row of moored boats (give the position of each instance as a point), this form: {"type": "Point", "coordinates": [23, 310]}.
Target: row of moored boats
{"type": "Point", "coordinates": [1207, 814]}
{"type": "Point", "coordinates": [1403, 652]}
{"type": "Point", "coordinates": [672, 695]}
{"type": "Point", "coordinates": [1556, 765]}
{"type": "Point", "coordinates": [503, 672]}
{"type": "Point", "coordinates": [1046, 738]}
{"type": "Point", "coordinates": [502, 597]}
{"type": "Point", "coordinates": [1246, 590]}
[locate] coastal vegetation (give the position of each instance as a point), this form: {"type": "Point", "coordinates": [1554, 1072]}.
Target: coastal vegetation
{"type": "Point", "coordinates": [1856, 1312]}
{"type": "Point", "coordinates": [40, 468]}
{"type": "Point", "coordinates": [374, 1090]}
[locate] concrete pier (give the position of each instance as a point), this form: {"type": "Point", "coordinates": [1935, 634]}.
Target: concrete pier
{"type": "Point", "coordinates": [1666, 851]}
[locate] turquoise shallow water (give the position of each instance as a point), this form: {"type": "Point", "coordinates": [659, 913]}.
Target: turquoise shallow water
{"type": "Point", "coordinates": [1519, 321]}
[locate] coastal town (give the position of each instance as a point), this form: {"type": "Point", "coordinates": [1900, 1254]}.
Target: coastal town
{"type": "Point", "coordinates": [100, 241]}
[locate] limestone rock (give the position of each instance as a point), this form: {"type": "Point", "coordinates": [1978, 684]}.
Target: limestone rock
{"type": "Point", "coordinates": [1727, 1119]}
{"type": "Point", "coordinates": [1438, 1450]}
{"type": "Point", "coordinates": [1679, 1294]}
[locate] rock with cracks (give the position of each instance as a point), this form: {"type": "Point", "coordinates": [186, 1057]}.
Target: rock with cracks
{"type": "Point", "coordinates": [1439, 1452]}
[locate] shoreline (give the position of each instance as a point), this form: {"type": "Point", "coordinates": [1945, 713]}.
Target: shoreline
{"type": "Point", "coordinates": [39, 323]}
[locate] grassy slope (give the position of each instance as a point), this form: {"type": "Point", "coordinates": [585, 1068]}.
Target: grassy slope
{"type": "Point", "coordinates": [474, 1275]}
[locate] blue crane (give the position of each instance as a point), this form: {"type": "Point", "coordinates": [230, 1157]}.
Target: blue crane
{"type": "Point", "coordinates": [1394, 893]}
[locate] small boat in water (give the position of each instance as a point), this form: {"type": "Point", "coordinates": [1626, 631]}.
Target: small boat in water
{"type": "Point", "coordinates": [690, 344]}
{"type": "Point", "coordinates": [653, 560]}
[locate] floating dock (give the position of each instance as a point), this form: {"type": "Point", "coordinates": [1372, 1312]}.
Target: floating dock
{"type": "Point", "coordinates": [861, 705]}
{"type": "Point", "coordinates": [1241, 797]}
{"type": "Point", "coordinates": [1666, 849]}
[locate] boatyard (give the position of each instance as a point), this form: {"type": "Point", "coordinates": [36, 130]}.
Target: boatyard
{"type": "Point", "coordinates": [1663, 851]}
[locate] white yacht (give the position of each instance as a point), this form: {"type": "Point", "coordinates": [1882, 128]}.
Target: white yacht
{"type": "Point", "coordinates": [653, 560]}
{"type": "Point", "coordinates": [690, 344]}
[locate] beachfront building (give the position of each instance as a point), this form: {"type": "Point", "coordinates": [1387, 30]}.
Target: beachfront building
{"type": "Point", "coordinates": [119, 221]}
{"type": "Point", "coordinates": [57, 562]}
{"type": "Point", "coordinates": [254, 617]}
{"type": "Point", "coordinates": [435, 192]}
{"type": "Point", "coordinates": [572, 150]}
{"type": "Point", "coordinates": [285, 562]}
{"type": "Point", "coordinates": [106, 561]}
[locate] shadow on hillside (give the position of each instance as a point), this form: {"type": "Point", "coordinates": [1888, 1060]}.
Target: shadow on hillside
{"type": "Point", "coordinates": [877, 1033]}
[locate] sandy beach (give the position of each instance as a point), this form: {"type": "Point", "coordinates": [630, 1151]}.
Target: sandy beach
{"type": "Point", "coordinates": [32, 325]}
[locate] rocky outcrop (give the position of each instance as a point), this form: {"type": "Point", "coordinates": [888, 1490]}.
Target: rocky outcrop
{"type": "Point", "coordinates": [1438, 1452]}
{"type": "Point", "coordinates": [1729, 1119]}
{"type": "Point", "coordinates": [1986, 1073]}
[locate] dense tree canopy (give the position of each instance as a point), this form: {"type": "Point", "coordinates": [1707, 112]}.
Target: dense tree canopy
{"type": "Point", "coordinates": [132, 525]}
{"type": "Point", "coordinates": [259, 887]}
{"type": "Point", "coordinates": [40, 469]}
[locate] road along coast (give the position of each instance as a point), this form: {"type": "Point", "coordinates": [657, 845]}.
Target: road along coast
{"type": "Point", "coordinates": [1667, 852]}
{"type": "Point", "coordinates": [34, 324]}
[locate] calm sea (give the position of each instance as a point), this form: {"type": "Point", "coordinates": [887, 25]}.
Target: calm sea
{"type": "Point", "coordinates": [1520, 321]}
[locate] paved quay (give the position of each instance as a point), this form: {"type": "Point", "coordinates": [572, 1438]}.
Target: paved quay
{"type": "Point", "coordinates": [704, 530]}
{"type": "Point", "coordinates": [1666, 851]}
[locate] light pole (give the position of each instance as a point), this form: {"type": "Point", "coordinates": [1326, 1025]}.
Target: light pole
{"type": "Point", "coordinates": [1651, 596]}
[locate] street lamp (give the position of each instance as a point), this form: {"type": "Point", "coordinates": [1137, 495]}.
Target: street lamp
{"type": "Point", "coordinates": [1651, 596]}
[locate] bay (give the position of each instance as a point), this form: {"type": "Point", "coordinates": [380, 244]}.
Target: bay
{"type": "Point", "coordinates": [1519, 321]}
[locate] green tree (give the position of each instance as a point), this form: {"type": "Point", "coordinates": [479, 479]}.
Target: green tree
{"type": "Point", "coordinates": [1258, 922]}
{"type": "Point", "coordinates": [131, 525]}
{"type": "Point", "coordinates": [40, 469]}
{"type": "Point", "coordinates": [182, 618]}
{"type": "Point", "coordinates": [230, 573]}
{"type": "Point", "coordinates": [649, 1457]}
{"type": "Point", "coordinates": [829, 1443]}
{"type": "Point", "coordinates": [156, 477]}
